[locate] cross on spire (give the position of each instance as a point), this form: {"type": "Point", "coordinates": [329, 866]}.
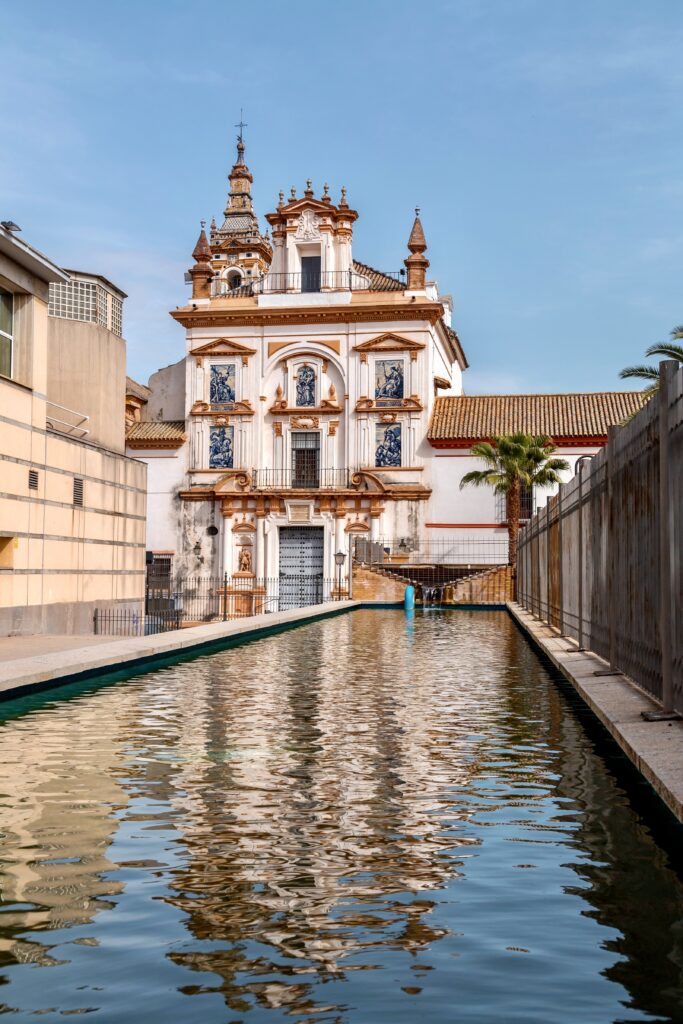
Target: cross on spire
{"type": "Point", "coordinates": [242, 124]}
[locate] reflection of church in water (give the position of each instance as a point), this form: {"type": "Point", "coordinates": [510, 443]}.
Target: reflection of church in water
{"type": "Point", "coordinates": [298, 416]}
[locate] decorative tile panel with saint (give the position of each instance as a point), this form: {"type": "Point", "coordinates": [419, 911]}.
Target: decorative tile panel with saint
{"type": "Point", "coordinates": [305, 386]}
{"type": "Point", "coordinates": [222, 385]}
{"type": "Point", "coordinates": [388, 444]}
{"type": "Point", "coordinates": [221, 447]}
{"type": "Point", "coordinates": [389, 381]}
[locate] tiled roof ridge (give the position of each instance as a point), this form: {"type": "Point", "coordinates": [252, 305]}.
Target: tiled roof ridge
{"type": "Point", "coordinates": [365, 268]}
{"type": "Point", "coordinates": [560, 414]}
{"type": "Point", "coordinates": [134, 387]}
{"type": "Point", "coordinates": [544, 394]}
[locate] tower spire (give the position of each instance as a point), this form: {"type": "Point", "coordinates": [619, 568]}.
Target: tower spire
{"type": "Point", "coordinates": [417, 262]}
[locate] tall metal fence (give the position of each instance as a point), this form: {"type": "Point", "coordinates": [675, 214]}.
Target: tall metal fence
{"type": "Point", "coordinates": [602, 561]}
{"type": "Point", "coordinates": [177, 602]}
{"type": "Point", "coordinates": [451, 550]}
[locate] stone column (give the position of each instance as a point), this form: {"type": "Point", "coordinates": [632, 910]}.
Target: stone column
{"type": "Point", "coordinates": [260, 541]}
{"type": "Point", "coordinates": [374, 525]}
{"type": "Point", "coordinates": [227, 543]}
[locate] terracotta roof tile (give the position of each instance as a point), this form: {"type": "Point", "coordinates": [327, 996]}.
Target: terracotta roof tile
{"type": "Point", "coordinates": [379, 282]}
{"type": "Point", "coordinates": [480, 417]}
{"type": "Point", "coordinates": [149, 433]}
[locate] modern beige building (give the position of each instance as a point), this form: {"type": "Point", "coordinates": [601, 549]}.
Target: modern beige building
{"type": "Point", "coordinates": [72, 505]}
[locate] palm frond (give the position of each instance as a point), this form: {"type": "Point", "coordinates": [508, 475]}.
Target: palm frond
{"type": "Point", "coordinates": [641, 372]}
{"type": "Point", "coordinates": [668, 351]}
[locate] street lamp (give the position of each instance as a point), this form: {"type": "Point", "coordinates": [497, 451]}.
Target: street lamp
{"type": "Point", "coordinates": [339, 560]}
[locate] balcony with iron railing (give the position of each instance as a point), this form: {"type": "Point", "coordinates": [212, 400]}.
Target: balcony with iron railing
{"type": "Point", "coordinates": [301, 478]}
{"type": "Point", "coordinates": [310, 282]}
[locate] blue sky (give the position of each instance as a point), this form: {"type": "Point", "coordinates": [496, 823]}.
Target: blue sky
{"type": "Point", "coordinates": [542, 140]}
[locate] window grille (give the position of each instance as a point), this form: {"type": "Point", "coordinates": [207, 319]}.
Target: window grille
{"type": "Point", "coordinates": [526, 505]}
{"type": "Point", "coordinates": [78, 491]}
{"type": "Point", "coordinates": [305, 439]}
{"type": "Point", "coordinates": [74, 300]}
{"type": "Point", "coordinates": [33, 479]}
{"type": "Point", "coordinates": [102, 307]}
{"type": "Point", "coordinates": [116, 316]}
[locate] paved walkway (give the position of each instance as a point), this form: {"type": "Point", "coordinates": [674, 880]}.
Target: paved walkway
{"type": "Point", "coordinates": [83, 656]}
{"type": "Point", "coordinates": [13, 647]}
{"type": "Point", "coordinates": [655, 748]}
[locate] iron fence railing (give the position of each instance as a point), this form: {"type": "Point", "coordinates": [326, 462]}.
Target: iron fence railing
{"type": "Point", "coordinates": [177, 602]}
{"type": "Point", "coordinates": [602, 561]}
{"type": "Point", "coordinates": [304, 477]}
{"type": "Point", "coordinates": [131, 622]}
{"type": "Point", "coordinates": [455, 551]}
{"type": "Point", "coordinates": [311, 281]}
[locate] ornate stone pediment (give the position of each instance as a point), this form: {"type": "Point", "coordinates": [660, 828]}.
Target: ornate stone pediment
{"type": "Point", "coordinates": [222, 347]}
{"type": "Point", "coordinates": [308, 226]}
{"type": "Point", "coordinates": [223, 411]}
{"type": "Point", "coordinates": [388, 343]}
{"type": "Point", "coordinates": [411, 404]}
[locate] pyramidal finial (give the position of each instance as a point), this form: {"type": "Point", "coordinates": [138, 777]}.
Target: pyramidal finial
{"type": "Point", "coordinates": [202, 250]}
{"type": "Point", "coordinates": [417, 241]}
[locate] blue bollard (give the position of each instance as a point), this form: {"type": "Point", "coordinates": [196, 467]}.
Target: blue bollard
{"type": "Point", "coordinates": [409, 598]}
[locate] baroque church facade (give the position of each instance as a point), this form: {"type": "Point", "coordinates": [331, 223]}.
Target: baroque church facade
{"type": "Point", "coordinates": [321, 400]}
{"type": "Point", "coordinates": [298, 417]}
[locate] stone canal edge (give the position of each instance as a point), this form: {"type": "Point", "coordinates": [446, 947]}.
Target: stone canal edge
{"type": "Point", "coordinates": [123, 657]}
{"type": "Point", "coordinates": [654, 748]}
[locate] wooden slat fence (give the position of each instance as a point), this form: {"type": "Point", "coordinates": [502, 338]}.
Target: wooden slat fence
{"type": "Point", "coordinates": [602, 561]}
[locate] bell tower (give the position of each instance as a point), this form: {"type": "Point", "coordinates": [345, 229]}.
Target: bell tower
{"type": "Point", "coordinates": [240, 254]}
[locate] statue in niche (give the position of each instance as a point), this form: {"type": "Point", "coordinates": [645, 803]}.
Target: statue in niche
{"type": "Point", "coordinates": [244, 562]}
{"type": "Point", "coordinates": [305, 386]}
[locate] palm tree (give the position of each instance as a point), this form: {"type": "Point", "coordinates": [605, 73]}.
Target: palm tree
{"type": "Point", "coordinates": [651, 373]}
{"type": "Point", "coordinates": [512, 461]}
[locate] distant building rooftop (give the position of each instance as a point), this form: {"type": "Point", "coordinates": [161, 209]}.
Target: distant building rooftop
{"type": "Point", "coordinates": [156, 434]}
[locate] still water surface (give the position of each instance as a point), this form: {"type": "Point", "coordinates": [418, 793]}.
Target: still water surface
{"type": "Point", "coordinates": [366, 820]}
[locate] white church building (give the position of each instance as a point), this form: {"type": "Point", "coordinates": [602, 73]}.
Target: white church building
{"type": "Point", "coordinates": [320, 400]}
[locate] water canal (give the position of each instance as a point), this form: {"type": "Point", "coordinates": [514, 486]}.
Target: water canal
{"type": "Point", "coordinates": [365, 820]}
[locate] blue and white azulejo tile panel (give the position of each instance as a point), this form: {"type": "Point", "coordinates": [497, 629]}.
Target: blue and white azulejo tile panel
{"type": "Point", "coordinates": [221, 447]}
{"type": "Point", "coordinates": [388, 444]}
{"type": "Point", "coordinates": [389, 375]}
{"type": "Point", "coordinates": [222, 385]}
{"type": "Point", "coordinates": [305, 386]}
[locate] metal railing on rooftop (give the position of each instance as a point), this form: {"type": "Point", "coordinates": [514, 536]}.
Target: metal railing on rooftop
{"type": "Point", "coordinates": [320, 281]}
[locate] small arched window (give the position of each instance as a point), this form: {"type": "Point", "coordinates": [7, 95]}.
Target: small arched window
{"type": "Point", "coordinates": [305, 385]}
{"type": "Point", "coordinates": [234, 279]}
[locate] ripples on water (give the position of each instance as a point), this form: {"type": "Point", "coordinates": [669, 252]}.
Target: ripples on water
{"type": "Point", "coordinates": [365, 820]}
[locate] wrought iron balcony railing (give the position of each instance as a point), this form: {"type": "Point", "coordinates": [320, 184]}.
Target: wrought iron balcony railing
{"type": "Point", "coordinates": [317, 281]}
{"type": "Point", "coordinates": [300, 479]}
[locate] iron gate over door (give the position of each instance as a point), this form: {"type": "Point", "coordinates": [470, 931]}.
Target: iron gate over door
{"type": "Point", "coordinates": [301, 566]}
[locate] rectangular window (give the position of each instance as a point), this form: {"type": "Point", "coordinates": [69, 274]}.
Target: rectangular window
{"type": "Point", "coordinates": [7, 545]}
{"type": "Point", "coordinates": [305, 458]}
{"type": "Point", "coordinates": [388, 444]}
{"type": "Point", "coordinates": [389, 376]}
{"type": "Point", "coordinates": [526, 505]}
{"type": "Point", "coordinates": [221, 447]}
{"type": "Point", "coordinates": [78, 492]}
{"type": "Point", "coordinates": [6, 332]}
{"type": "Point", "coordinates": [33, 479]}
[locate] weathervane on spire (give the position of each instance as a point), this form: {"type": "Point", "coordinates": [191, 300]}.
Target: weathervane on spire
{"type": "Point", "coordinates": [242, 124]}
